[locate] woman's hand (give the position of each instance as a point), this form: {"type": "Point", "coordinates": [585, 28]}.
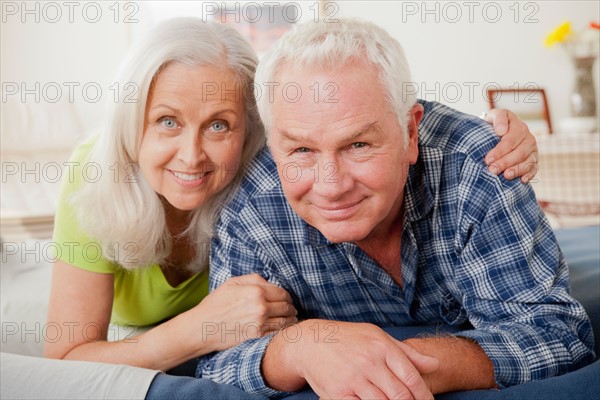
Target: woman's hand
{"type": "Point", "coordinates": [244, 307]}
{"type": "Point", "coordinates": [516, 155]}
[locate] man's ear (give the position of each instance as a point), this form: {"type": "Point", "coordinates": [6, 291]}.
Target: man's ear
{"type": "Point", "coordinates": [412, 127]}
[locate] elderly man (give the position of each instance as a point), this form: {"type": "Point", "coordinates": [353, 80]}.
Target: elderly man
{"type": "Point", "coordinates": [377, 210]}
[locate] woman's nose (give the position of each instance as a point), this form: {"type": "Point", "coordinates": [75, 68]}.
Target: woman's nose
{"type": "Point", "coordinates": [190, 150]}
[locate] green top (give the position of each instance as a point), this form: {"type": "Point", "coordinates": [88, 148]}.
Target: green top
{"type": "Point", "coordinates": [142, 296]}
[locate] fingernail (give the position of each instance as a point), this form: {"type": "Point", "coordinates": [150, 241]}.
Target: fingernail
{"type": "Point", "coordinates": [489, 160]}
{"type": "Point", "coordinates": [502, 128]}
{"type": "Point", "coordinates": [494, 169]}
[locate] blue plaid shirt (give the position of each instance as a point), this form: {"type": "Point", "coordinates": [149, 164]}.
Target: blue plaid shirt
{"type": "Point", "coordinates": [477, 251]}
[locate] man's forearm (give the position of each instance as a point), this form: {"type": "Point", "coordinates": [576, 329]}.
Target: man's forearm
{"type": "Point", "coordinates": [278, 366]}
{"type": "Point", "coordinates": [463, 364]}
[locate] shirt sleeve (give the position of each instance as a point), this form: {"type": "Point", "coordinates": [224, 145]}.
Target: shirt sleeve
{"type": "Point", "coordinates": [232, 254]}
{"type": "Point", "coordinates": [70, 243]}
{"type": "Point", "coordinates": [514, 283]}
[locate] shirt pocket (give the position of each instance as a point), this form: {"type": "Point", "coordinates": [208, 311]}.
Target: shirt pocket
{"type": "Point", "coordinates": [451, 311]}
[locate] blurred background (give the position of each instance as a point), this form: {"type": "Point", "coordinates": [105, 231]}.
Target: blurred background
{"type": "Point", "coordinates": [58, 61]}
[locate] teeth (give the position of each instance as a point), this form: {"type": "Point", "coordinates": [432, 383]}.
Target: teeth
{"type": "Point", "coordinates": [188, 177]}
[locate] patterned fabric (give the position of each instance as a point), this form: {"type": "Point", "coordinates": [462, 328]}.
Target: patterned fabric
{"type": "Point", "coordinates": [477, 252]}
{"type": "Point", "coordinates": [568, 185]}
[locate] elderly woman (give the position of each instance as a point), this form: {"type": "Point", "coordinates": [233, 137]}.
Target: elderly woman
{"type": "Point", "coordinates": [133, 241]}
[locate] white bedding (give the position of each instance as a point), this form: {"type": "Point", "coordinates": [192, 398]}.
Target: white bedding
{"type": "Point", "coordinates": [24, 377]}
{"type": "Point", "coordinates": [25, 277]}
{"type": "Point", "coordinates": [25, 290]}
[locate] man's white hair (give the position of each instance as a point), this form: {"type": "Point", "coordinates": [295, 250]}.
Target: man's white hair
{"type": "Point", "coordinates": [330, 45]}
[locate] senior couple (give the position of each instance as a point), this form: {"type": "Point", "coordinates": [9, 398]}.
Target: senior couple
{"type": "Point", "coordinates": [366, 209]}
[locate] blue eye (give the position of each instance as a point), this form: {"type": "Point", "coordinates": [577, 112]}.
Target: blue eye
{"type": "Point", "coordinates": [358, 145]}
{"type": "Point", "coordinates": [168, 122]}
{"type": "Point", "coordinates": [219, 126]}
{"type": "Point", "coordinates": [302, 150]}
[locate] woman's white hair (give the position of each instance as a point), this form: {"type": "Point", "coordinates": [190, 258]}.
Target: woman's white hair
{"type": "Point", "coordinates": [332, 45]}
{"type": "Point", "coordinates": [126, 216]}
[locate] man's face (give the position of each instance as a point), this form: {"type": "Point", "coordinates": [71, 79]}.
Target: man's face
{"type": "Point", "coordinates": [340, 150]}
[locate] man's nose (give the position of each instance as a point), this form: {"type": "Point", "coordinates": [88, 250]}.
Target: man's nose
{"type": "Point", "coordinates": [333, 180]}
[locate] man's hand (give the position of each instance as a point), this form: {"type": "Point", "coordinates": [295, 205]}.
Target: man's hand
{"type": "Point", "coordinates": [346, 360]}
{"type": "Point", "coordinates": [516, 155]}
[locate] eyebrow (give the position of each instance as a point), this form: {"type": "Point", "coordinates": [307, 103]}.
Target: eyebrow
{"type": "Point", "coordinates": [159, 106]}
{"type": "Point", "coordinates": [366, 128]}
{"type": "Point", "coordinates": [176, 111]}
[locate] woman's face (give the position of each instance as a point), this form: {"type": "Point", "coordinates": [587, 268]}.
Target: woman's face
{"type": "Point", "coordinates": [194, 128]}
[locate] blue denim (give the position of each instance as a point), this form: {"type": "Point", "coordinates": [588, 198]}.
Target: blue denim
{"type": "Point", "coordinates": [182, 387]}
{"type": "Point", "coordinates": [582, 384]}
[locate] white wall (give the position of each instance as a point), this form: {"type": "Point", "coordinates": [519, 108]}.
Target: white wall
{"type": "Point", "coordinates": [451, 62]}
{"type": "Point", "coordinates": [67, 46]}
{"type": "Point", "coordinates": [482, 47]}
{"type": "Point", "coordinates": [48, 58]}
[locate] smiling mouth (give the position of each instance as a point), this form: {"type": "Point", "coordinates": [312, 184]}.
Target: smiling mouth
{"type": "Point", "coordinates": [340, 212]}
{"type": "Point", "coordinates": [189, 177]}
{"type": "Point", "coordinates": [191, 181]}
{"type": "Point", "coordinates": [338, 208]}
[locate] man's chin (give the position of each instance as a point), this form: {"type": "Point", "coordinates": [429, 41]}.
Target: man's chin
{"type": "Point", "coordinates": [342, 233]}
{"type": "Point", "coordinates": [338, 230]}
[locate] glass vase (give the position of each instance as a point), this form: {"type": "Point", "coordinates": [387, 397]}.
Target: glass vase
{"type": "Point", "coordinates": [583, 97]}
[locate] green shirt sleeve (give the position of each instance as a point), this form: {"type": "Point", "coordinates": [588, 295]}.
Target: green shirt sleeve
{"type": "Point", "coordinates": [142, 296]}
{"type": "Point", "coordinates": [70, 243]}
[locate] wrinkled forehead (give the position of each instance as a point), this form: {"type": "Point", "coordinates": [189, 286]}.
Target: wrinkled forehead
{"type": "Point", "coordinates": [300, 85]}
{"type": "Point", "coordinates": [319, 101]}
{"type": "Point", "coordinates": [323, 86]}
{"type": "Point", "coordinates": [327, 66]}
{"type": "Point", "coordinates": [326, 83]}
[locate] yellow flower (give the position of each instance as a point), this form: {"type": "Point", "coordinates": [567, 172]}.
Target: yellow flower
{"type": "Point", "coordinates": [559, 35]}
